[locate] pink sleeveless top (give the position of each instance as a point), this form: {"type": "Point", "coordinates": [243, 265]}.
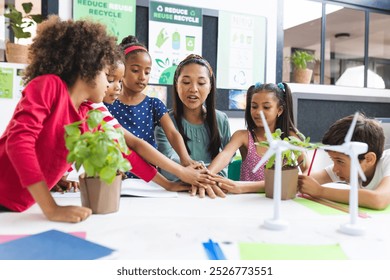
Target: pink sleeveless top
{"type": "Point", "coordinates": [252, 158]}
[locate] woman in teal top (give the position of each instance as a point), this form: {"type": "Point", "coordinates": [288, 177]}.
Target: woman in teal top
{"type": "Point", "coordinates": [205, 130]}
{"type": "Point", "coordinates": [200, 140]}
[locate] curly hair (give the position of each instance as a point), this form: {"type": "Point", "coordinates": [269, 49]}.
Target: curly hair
{"type": "Point", "coordinates": [70, 49]}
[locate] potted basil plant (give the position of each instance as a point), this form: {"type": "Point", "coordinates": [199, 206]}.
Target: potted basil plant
{"type": "Point", "coordinates": [99, 149]}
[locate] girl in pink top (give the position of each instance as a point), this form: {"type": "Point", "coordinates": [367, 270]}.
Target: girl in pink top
{"type": "Point", "coordinates": [68, 65]}
{"type": "Point", "coordinates": [275, 101]}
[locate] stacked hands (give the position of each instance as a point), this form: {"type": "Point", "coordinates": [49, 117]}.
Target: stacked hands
{"type": "Point", "coordinates": [211, 184]}
{"type": "Point", "coordinates": [201, 181]}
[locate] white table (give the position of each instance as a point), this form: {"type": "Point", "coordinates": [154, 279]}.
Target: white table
{"type": "Point", "coordinates": [174, 228]}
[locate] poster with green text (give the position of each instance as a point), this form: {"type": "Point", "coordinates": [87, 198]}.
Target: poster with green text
{"type": "Point", "coordinates": [175, 31]}
{"type": "Point", "coordinates": [117, 15]}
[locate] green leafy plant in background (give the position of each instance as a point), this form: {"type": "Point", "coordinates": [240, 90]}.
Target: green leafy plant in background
{"type": "Point", "coordinates": [20, 22]}
{"type": "Point", "coordinates": [99, 150]}
{"type": "Point", "coordinates": [301, 58]}
{"type": "Point", "coordinates": [289, 157]}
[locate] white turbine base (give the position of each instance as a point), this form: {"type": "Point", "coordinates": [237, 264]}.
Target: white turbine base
{"type": "Point", "coordinates": [275, 224]}
{"type": "Point", "coordinates": [352, 229]}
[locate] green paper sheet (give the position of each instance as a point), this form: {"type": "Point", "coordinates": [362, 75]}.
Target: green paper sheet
{"type": "Point", "coordinates": [327, 210]}
{"type": "Point", "coordinates": [318, 207]}
{"type": "Point", "coordinates": [264, 251]}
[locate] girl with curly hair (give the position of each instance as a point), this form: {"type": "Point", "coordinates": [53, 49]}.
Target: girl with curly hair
{"type": "Point", "coordinates": [68, 65]}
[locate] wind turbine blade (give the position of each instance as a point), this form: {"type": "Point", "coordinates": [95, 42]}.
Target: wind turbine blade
{"type": "Point", "coordinates": [359, 168]}
{"type": "Point", "coordinates": [351, 129]}
{"type": "Point", "coordinates": [339, 148]}
{"type": "Point", "coordinates": [295, 148]}
{"type": "Point", "coordinates": [268, 133]}
{"type": "Point", "coordinates": [265, 157]}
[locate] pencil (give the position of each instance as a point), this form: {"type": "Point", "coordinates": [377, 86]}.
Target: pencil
{"type": "Point", "coordinates": [311, 163]}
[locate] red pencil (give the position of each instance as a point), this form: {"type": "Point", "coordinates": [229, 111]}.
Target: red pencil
{"type": "Point", "coordinates": [311, 163]}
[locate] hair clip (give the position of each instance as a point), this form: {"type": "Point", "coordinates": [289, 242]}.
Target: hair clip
{"type": "Point", "coordinates": [258, 85]}
{"type": "Point", "coordinates": [281, 86]}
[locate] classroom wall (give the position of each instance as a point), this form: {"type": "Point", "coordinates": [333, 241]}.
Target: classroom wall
{"type": "Point", "coordinates": [268, 9]}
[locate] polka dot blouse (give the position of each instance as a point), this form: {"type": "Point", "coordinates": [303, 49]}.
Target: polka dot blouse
{"type": "Point", "coordinates": [140, 119]}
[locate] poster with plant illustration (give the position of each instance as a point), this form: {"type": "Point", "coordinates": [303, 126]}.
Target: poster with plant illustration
{"type": "Point", "coordinates": [117, 15]}
{"type": "Point", "coordinates": [175, 31]}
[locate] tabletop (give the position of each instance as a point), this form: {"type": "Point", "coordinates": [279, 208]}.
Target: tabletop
{"type": "Point", "coordinates": [172, 228]}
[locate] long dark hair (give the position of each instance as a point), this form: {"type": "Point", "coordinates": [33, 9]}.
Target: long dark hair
{"type": "Point", "coordinates": [283, 94]}
{"type": "Point", "coordinates": [211, 118]}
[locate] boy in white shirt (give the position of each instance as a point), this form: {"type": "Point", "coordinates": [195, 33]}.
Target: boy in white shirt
{"type": "Point", "coordinates": [375, 191]}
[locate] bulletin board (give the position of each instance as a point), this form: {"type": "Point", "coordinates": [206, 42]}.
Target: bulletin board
{"type": "Point", "coordinates": [209, 52]}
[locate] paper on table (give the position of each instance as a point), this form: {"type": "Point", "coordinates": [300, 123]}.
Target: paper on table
{"type": "Point", "coordinates": [138, 187]}
{"type": "Point", "coordinates": [318, 207]}
{"type": "Point", "coordinates": [326, 210]}
{"type": "Point", "coordinates": [131, 187]}
{"type": "Point", "coordinates": [10, 237]}
{"type": "Point", "coordinates": [265, 251]}
{"type": "Point", "coordinates": [52, 245]}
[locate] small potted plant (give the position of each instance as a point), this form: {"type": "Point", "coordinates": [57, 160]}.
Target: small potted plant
{"type": "Point", "coordinates": [99, 149]}
{"type": "Point", "coordinates": [301, 73]}
{"type": "Point", "coordinates": [290, 165]}
{"type": "Point", "coordinates": [19, 23]}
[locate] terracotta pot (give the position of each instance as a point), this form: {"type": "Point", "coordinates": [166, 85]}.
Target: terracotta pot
{"type": "Point", "coordinates": [303, 76]}
{"type": "Point", "coordinates": [289, 183]}
{"type": "Point", "coordinates": [16, 53]}
{"type": "Point", "coordinates": [102, 198]}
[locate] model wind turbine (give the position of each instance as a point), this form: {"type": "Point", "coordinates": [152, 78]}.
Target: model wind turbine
{"type": "Point", "coordinates": [276, 147]}
{"type": "Point", "coordinates": [353, 150]}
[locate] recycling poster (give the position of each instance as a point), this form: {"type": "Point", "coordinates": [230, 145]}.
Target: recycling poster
{"type": "Point", "coordinates": [117, 15]}
{"type": "Point", "coordinates": [241, 50]}
{"type": "Point", "coordinates": [175, 31]}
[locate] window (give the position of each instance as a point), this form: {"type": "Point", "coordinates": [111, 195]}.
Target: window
{"type": "Point", "coordinates": [356, 42]}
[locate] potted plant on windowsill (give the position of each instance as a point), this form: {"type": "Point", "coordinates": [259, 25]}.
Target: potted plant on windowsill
{"type": "Point", "coordinates": [301, 73]}
{"type": "Point", "coordinates": [99, 149]}
{"type": "Point", "coordinates": [290, 164]}
{"type": "Point", "coordinates": [19, 23]}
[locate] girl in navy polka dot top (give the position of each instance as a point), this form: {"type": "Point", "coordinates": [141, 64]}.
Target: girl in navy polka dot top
{"type": "Point", "coordinates": [137, 112]}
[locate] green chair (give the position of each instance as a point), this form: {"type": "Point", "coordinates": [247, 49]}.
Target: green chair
{"type": "Point", "coordinates": [234, 170]}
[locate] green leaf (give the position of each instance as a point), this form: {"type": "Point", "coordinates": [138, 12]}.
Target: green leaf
{"type": "Point", "coordinates": [108, 174]}
{"type": "Point", "coordinates": [89, 168]}
{"type": "Point", "coordinates": [27, 7]}
{"type": "Point", "coordinates": [37, 18]}
{"type": "Point", "coordinates": [95, 117]}
{"type": "Point", "coordinates": [73, 129]}
{"type": "Point", "coordinates": [160, 63]}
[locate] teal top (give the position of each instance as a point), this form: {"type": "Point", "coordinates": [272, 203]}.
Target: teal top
{"type": "Point", "coordinates": [198, 143]}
